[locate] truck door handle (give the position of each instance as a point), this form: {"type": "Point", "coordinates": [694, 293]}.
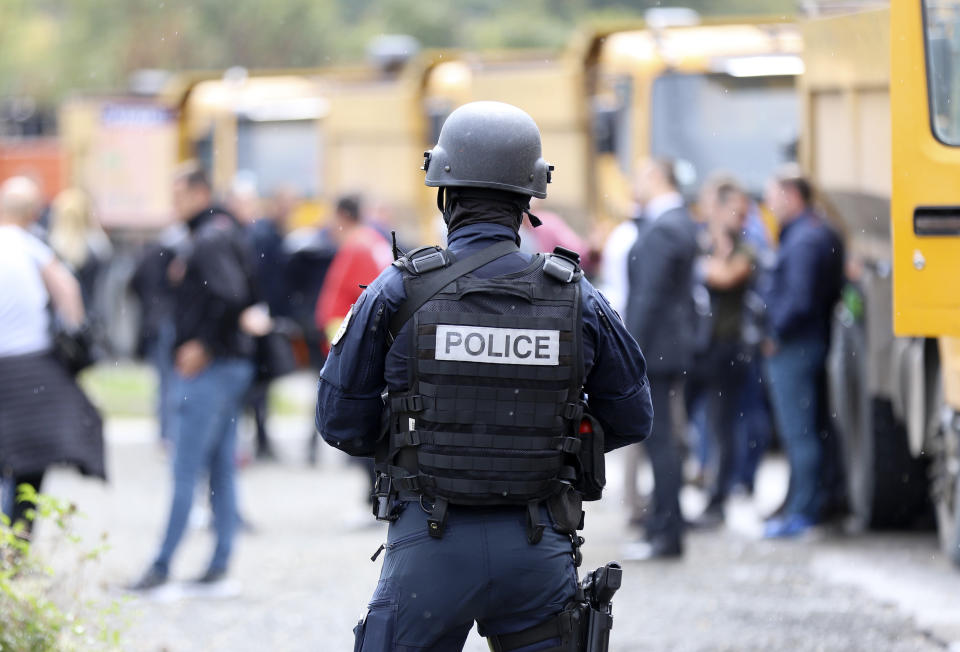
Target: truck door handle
{"type": "Point", "coordinates": [936, 221]}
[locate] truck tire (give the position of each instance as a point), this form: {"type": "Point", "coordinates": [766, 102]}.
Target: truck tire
{"type": "Point", "coordinates": [900, 487]}
{"type": "Point", "coordinates": [945, 489]}
{"type": "Point", "coordinates": [886, 486]}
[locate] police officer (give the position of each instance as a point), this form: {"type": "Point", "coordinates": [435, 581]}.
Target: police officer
{"type": "Point", "coordinates": [468, 373]}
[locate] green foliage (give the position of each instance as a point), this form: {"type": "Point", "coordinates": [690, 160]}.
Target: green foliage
{"type": "Point", "coordinates": [42, 610]}
{"type": "Point", "coordinates": [50, 47]}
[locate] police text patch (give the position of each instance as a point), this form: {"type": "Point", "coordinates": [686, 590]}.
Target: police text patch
{"type": "Point", "coordinates": [498, 345]}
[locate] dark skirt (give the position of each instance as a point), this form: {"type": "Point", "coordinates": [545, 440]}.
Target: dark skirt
{"type": "Point", "coordinates": [46, 419]}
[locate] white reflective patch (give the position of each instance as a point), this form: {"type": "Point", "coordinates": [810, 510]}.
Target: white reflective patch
{"type": "Point", "coordinates": [498, 345]}
{"type": "Point", "coordinates": [343, 328]}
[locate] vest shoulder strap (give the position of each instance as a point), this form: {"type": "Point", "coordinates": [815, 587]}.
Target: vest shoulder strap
{"type": "Point", "coordinates": [442, 277]}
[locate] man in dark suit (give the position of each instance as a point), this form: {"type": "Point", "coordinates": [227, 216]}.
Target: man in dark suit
{"type": "Point", "coordinates": [661, 316]}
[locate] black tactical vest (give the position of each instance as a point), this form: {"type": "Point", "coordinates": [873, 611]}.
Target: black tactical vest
{"type": "Point", "coordinates": [493, 408]}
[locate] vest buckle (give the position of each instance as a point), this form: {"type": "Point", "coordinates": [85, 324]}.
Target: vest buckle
{"type": "Point", "coordinates": [569, 445]}
{"type": "Point", "coordinates": [407, 403]}
{"type": "Point", "coordinates": [573, 412]}
{"type": "Point", "coordinates": [413, 403]}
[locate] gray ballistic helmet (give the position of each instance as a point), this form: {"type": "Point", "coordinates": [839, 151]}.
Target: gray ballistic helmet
{"type": "Point", "coordinates": [489, 145]}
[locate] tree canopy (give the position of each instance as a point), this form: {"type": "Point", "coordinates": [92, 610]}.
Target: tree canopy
{"type": "Point", "coordinates": [50, 47]}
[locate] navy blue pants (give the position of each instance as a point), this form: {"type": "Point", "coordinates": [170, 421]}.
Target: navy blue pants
{"type": "Point", "coordinates": [483, 569]}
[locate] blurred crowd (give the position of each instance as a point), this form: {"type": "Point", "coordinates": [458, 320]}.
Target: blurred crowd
{"type": "Point", "coordinates": [735, 328]}
{"type": "Point", "coordinates": [230, 298]}
{"type": "Point", "coordinates": [730, 299]}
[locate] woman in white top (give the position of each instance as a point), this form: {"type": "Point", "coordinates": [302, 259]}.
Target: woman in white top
{"type": "Point", "coordinates": [44, 417]}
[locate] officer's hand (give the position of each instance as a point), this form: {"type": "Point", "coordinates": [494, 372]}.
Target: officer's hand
{"type": "Point", "coordinates": [192, 358]}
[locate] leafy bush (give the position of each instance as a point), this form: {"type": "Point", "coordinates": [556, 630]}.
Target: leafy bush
{"type": "Point", "coordinates": [42, 610]}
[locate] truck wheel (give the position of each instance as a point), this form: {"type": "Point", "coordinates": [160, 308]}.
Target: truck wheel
{"type": "Point", "coordinates": [886, 487]}
{"type": "Point", "coordinates": [900, 488]}
{"type": "Point", "coordinates": [945, 489]}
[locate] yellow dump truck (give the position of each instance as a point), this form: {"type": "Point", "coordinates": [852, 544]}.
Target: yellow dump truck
{"type": "Point", "coordinates": [712, 95]}
{"type": "Point", "coordinates": [611, 97]}
{"type": "Point", "coordinates": [925, 218]}
{"type": "Point", "coordinates": [122, 150]}
{"type": "Point", "coordinates": [319, 133]}
{"type": "Point", "coordinates": [885, 169]}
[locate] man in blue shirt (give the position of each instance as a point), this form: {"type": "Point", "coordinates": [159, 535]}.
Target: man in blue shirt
{"type": "Point", "coordinates": [491, 341]}
{"type": "Point", "coordinates": [804, 288]}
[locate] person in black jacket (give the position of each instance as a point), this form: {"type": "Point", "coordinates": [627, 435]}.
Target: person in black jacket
{"type": "Point", "coordinates": [151, 285]}
{"type": "Point", "coordinates": [213, 286]}
{"type": "Point", "coordinates": [266, 240]}
{"type": "Point", "coordinates": [661, 316]}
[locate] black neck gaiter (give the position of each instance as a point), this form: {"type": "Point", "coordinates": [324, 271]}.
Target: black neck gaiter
{"type": "Point", "coordinates": [463, 206]}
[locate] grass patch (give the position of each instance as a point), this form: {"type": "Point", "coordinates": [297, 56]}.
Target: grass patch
{"type": "Point", "coordinates": [121, 388]}
{"type": "Point", "coordinates": [126, 389]}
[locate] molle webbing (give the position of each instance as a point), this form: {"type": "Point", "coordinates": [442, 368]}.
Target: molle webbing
{"type": "Point", "coordinates": [494, 400]}
{"type": "Point", "coordinates": [569, 445]}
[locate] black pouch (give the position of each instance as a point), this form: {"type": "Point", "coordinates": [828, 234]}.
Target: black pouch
{"type": "Point", "coordinates": [566, 510]}
{"type": "Point", "coordinates": [593, 474]}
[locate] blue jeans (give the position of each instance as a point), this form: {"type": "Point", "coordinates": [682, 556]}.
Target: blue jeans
{"type": "Point", "coordinates": [204, 431]}
{"type": "Point", "coordinates": [483, 569]}
{"type": "Point", "coordinates": [794, 372]}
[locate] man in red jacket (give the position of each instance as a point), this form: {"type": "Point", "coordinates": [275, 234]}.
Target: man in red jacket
{"type": "Point", "coordinates": [363, 253]}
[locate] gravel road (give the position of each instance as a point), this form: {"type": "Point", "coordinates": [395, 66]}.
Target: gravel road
{"type": "Point", "coordinates": [304, 574]}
